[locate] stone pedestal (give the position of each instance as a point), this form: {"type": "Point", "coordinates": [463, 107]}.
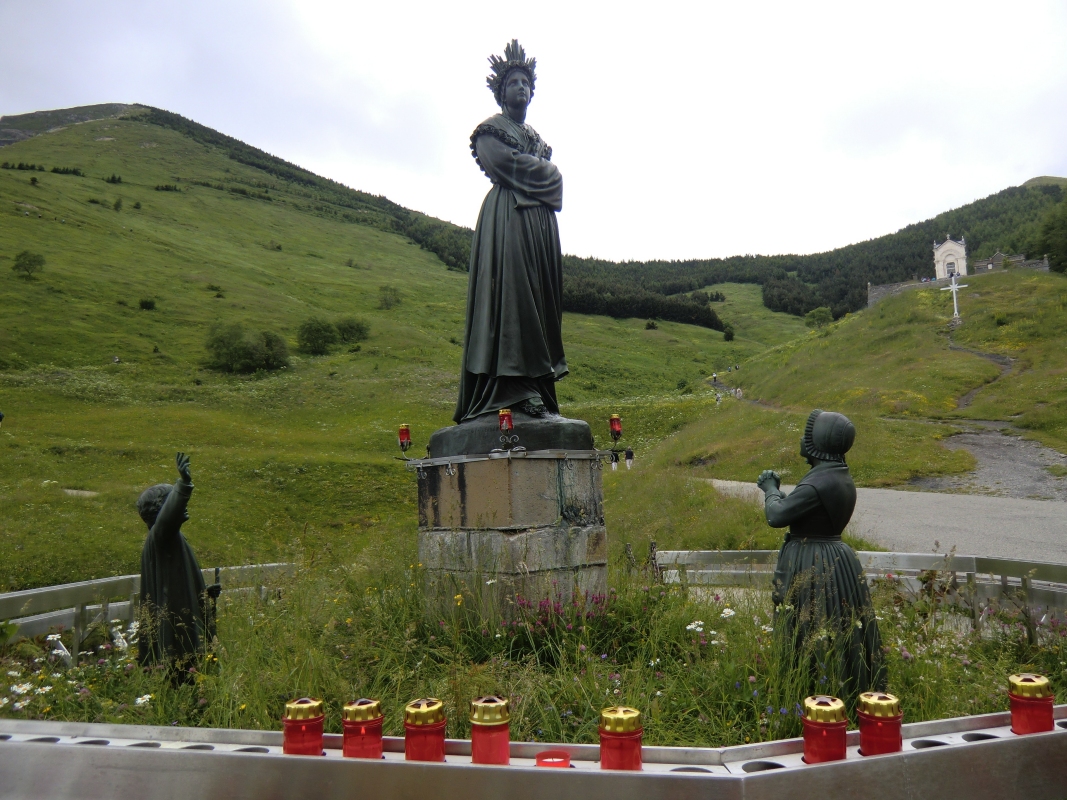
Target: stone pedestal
{"type": "Point", "coordinates": [511, 525]}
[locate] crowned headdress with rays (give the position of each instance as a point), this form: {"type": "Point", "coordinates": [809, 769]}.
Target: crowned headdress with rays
{"type": "Point", "coordinates": [514, 58]}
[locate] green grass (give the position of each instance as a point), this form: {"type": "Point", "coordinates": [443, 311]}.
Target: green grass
{"type": "Point", "coordinates": [751, 320]}
{"type": "Point", "coordinates": [344, 628]}
{"type": "Point", "coordinates": [311, 446]}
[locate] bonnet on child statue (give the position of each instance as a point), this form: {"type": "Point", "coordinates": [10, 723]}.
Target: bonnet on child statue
{"type": "Point", "coordinates": [828, 435]}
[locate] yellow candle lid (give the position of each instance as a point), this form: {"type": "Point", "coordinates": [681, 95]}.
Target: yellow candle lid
{"type": "Point", "coordinates": [424, 711]}
{"type": "Point", "coordinates": [620, 719]}
{"type": "Point", "coordinates": [1029, 684]}
{"type": "Point", "coordinates": [491, 710]}
{"type": "Point", "coordinates": [879, 704]}
{"type": "Point", "coordinates": [823, 708]}
{"type": "Point", "coordinates": [304, 708]}
{"type": "Point", "coordinates": [362, 710]}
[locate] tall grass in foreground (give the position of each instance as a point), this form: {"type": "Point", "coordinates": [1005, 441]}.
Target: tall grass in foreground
{"type": "Point", "coordinates": [704, 665]}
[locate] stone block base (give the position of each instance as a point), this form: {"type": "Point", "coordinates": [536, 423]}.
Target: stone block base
{"type": "Point", "coordinates": [500, 530]}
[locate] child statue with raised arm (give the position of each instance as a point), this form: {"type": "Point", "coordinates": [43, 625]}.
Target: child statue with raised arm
{"type": "Point", "coordinates": [181, 620]}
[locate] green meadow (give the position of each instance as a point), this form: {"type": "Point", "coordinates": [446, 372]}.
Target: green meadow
{"type": "Point", "coordinates": [300, 464]}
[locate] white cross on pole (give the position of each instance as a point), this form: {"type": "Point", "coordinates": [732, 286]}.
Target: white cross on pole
{"type": "Point", "coordinates": [954, 288]}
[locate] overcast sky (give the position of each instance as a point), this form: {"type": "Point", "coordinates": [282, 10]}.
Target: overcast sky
{"type": "Point", "coordinates": [682, 129]}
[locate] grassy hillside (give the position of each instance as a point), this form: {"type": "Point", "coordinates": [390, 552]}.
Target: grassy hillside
{"type": "Point", "coordinates": [310, 446]}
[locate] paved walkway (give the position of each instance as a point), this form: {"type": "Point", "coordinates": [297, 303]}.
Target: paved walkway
{"type": "Point", "coordinates": [924, 522]}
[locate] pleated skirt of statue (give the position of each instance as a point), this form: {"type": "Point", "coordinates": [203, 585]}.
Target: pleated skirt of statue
{"type": "Point", "coordinates": [823, 606]}
{"type": "Point", "coordinates": [513, 347]}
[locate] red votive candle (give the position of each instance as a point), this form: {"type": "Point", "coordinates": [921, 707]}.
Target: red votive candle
{"type": "Point", "coordinates": [490, 736]}
{"type": "Point", "coordinates": [303, 727]}
{"type": "Point", "coordinates": [825, 724]}
{"type": "Point", "coordinates": [879, 718]}
{"type": "Point", "coordinates": [424, 730]}
{"type": "Point", "coordinates": [505, 419]}
{"type": "Point", "coordinates": [620, 738]}
{"type": "Point", "coordinates": [362, 720]}
{"type": "Point", "coordinates": [1031, 701]}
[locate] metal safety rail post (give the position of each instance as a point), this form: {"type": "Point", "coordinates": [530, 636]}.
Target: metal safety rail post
{"type": "Point", "coordinates": [1036, 588]}
{"type": "Point", "coordinates": [79, 606]}
{"type": "Point", "coordinates": [974, 757]}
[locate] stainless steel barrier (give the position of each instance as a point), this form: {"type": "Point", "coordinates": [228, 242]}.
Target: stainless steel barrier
{"type": "Point", "coordinates": [78, 606]}
{"type": "Point", "coordinates": [977, 583]}
{"type": "Point", "coordinates": [973, 757]}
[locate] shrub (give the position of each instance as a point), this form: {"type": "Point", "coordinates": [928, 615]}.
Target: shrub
{"type": "Point", "coordinates": [651, 325]}
{"type": "Point", "coordinates": [27, 264]}
{"type": "Point", "coordinates": [167, 187]}
{"type": "Point", "coordinates": [137, 205]}
{"type": "Point", "coordinates": [113, 179]}
{"type": "Point", "coordinates": [818, 317]}
{"type": "Point", "coordinates": [352, 330]}
{"type": "Point", "coordinates": [148, 304]}
{"type": "Point", "coordinates": [33, 181]}
{"type": "Point", "coordinates": [118, 205]}
{"type": "Point", "coordinates": [68, 171]}
{"type": "Point", "coordinates": [728, 333]}
{"type": "Point", "coordinates": [315, 336]}
{"type": "Point", "coordinates": [273, 245]}
{"type": "Point", "coordinates": [388, 297]}
{"type": "Point", "coordinates": [233, 349]}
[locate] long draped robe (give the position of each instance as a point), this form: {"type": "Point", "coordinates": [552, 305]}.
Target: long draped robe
{"type": "Point", "coordinates": [513, 345]}
{"type": "Point", "coordinates": [173, 592]}
{"type": "Point", "coordinates": [819, 582]}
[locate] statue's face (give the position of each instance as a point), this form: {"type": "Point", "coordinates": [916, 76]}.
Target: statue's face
{"type": "Point", "coordinates": [517, 89]}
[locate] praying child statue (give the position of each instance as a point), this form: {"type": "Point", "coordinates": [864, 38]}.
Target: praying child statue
{"type": "Point", "coordinates": [180, 619]}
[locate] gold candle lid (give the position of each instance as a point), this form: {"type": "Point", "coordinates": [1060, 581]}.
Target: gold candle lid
{"type": "Point", "coordinates": [824, 708]}
{"type": "Point", "coordinates": [424, 711]}
{"type": "Point", "coordinates": [304, 708]}
{"type": "Point", "coordinates": [362, 710]}
{"type": "Point", "coordinates": [620, 719]}
{"type": "Point", "coordinates": [1029, 684]}
{"type": "Point", "coordinates": [490, 710]}
{"type": "Point", "coordinates": [879, 704]}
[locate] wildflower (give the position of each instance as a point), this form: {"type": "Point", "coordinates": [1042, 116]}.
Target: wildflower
{"type": "Point", "coordinates": [696, 625]}
{"type": "Point", "coordinates": [581, 647]}
{"type": "Point", "coordinates": [653, 662]}
{"type": "Point", "coordinates": [21, 704]}
{"type": "Point", "coordinates": [21, 688]}
{"type": "Point", "coordinates": [904, 654]}
{"type": "Point", "coordinates": [727, 613]}
{"type": "Point", "coordinates": [4, 701]}
{"type": "Point", "coordinates": [603, 656]}
{"type": "Point", "coordinates": [616, 691]}
{"type": "Point", "coordinates": [143, 700]}
{"type": "Point", "coordinates": [44, 689]}
{"type": "Point", "coordinates": [859, 624]}
{"type": "Point", "coordinates": [459, 599]}
{"type": "Point", "coordinates": [490, 582]}
{"type": "Point", "coordinates": [14, 673]}
{"type": "Point", "coordinates": [243, 707]}
{"type": "Point", "coordinates": [52, 637]}
{"type": "Point", "coordinates": [659, 694]}
{"type": "Point", "coordinates": [751, 678]}
{"type": "Point", "coordinates": [767, 629]}
{"type": "Point", "coordinates": [497, 636]}
{"type": "Point", "coordinates": [783, 711]}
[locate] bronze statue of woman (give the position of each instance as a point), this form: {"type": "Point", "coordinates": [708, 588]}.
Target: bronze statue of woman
{"type": "Point", "coordinates": [513, 345]}
{"type": "Point", "coordinates": [818, 582]}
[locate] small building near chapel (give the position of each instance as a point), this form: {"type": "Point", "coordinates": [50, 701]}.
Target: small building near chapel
{"type": "Point", "coordinates": [950, 258]}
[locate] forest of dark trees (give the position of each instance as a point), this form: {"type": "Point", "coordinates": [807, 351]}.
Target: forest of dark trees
{"type": "Point", "coordinates": [1009, 221]}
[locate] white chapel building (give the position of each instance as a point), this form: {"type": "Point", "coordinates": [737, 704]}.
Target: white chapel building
{"type": "Point", "coordinates": [950, 258]}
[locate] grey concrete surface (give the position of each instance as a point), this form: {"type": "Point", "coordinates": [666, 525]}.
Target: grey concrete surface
{"type": "Point", "coordinates": [924, 522]}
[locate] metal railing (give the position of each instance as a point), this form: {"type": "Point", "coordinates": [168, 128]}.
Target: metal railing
{"type": "Point", "coordinates": [79, 606]}
{"type": "Point", "coordinates": [976, 583]}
